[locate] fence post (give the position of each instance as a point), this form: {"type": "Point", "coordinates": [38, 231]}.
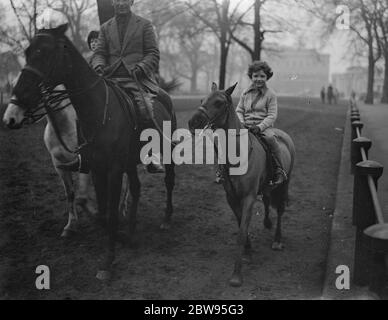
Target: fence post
{"type": "Point", "coordinates": [363, 217]}
{"type": "Point", "coordinates": [355, 151]}
{"type": "Point", "coordinates": [354, 126]}
{"type": "Point", "coordinates": [355, 117]}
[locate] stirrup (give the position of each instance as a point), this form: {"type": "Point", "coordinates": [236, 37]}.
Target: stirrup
{"type": "Point", "coordinates": [155, 168]}
{"type": "Point", "coordinates": [220, 178]}
{"type": "Point", "coordinates": [280, 177]}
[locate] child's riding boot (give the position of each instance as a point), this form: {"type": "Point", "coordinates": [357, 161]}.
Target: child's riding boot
{"type": "Point", "coordinates": [280, 175]}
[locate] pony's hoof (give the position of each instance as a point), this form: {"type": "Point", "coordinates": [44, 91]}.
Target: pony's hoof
{"type": "Point", "coordinates": [235, 281]}
{"type": "Point", "coordinates": [278, 246]}
{"type": "Point", "coordinates": [165, 226]}
{"type": "Point", "coordinates": [103, 275]}
{"type": "Point", "coordinates": [268, 224]}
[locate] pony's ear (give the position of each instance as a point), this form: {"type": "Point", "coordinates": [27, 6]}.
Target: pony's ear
{"type": "Point", "coordinates": [214, 87]}
{"type": "Point", "coordinates": [229, 91]}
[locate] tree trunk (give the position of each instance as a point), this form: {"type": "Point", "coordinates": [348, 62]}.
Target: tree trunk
{"type": "Point", "coordinates": [257, 32]}
{"type": "Point", "coordinates": [224, 46]}
{"type": "Point", "coordinates": [193, 81]}
{"type": "Point", "coordinates": [371, 79]}
{"type": "Point", "coordinates": [384, 98]}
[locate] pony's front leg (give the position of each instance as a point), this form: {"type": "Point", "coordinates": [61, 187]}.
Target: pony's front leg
{"type": "Point", "coordinates": [169, 181]}
{"type": "Point", "coordinates": [242, 241]}
{"type": "Point", "coordinates": [67, 181]}
{"type": "Point", "coordinates": [113, 189]}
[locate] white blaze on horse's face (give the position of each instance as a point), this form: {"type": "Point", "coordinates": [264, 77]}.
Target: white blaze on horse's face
{"type": "Point", "coordinates": [13, 116]}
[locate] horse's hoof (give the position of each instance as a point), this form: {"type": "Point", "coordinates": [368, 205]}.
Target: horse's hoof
{"type": "Point", "coordinates": [247, 258]}
{"type": "Point", "coordinates": [277, 246]}
{"type": "Point", "coordinates": [268, 224]}
{"type": "Point", "coordinates": [101, 222]}
{"type": "Point", "coordinates": [165, 226]}
{"type": "Point", "coordinates": [236, 281]}
{"type": "Point", "coordinates": [67, 234]}
{"type": "Point", "coordinates": [126, 240]}
{"type": "Point", "coordinates": [103, 275]}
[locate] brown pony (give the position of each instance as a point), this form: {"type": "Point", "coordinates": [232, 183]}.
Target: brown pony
{"type": "Point", "coordinates": [217, 112]}
{"type": "Point", "coordinates": [109, 126]}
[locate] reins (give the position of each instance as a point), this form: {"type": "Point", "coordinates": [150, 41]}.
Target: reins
{"type": "Point", "coordinates": [52, 98]}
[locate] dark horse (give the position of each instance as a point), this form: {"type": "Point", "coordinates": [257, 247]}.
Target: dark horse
{"type": "Point", "coordinates": [110, 130]}
{"type": "Point", "coordinates": [217, 112]}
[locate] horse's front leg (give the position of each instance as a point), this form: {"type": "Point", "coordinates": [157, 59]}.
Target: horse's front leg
{"type": "Point", "coordinates": [113, 189]}
{"type": "Point", "coordinates": [67, 181]}
{"type": "Point", "coordinates": [82, 199]}
{"type": "Point", "coordinates": [134, 186]}
{"type": "Point", "coordinates": [242, 241]}
{"type": "Point", "coordinates": [169, 181]}
{"type": "Point", "coordinates": [100, 185]}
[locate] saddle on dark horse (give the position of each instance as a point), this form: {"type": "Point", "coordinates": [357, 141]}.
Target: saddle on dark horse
{"type": "Point", "coordinates": [162, 111]}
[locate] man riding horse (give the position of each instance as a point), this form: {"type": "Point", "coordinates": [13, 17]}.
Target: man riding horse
{"type": "Point", "coordinates": [128, 53]}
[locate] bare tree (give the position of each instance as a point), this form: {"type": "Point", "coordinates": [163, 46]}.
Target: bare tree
{"type": "Point", "coordinates": [218, 18]}
{"type": "Point", "coordinates": [263, 23]}
{"type": "Point", "coordinates": [364, 25]}
{"type": "Point", "coordinates": [382, 38]}
{"type": "Point", "coordinates": [190, 37]}
{"type": "Point", "coordinates": [75, 11]}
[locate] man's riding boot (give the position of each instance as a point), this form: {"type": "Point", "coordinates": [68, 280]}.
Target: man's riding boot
{"type": "Point", "coordinates": [156, 165]}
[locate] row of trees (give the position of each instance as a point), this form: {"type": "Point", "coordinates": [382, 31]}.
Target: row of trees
{"type": "Point", "coordinates": [197, 35]}
{"type": "Point", "coordinates": [369, 32]}
{"type": "Point", "coordinates": [18, 35]}
{"type": "Point", "coordinates": [190, 31]}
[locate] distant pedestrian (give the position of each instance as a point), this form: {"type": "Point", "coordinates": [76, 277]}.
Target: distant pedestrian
{"type": "Point", "coordinates": [336, 96]}
{"type": "Point", "coordinates": [330, 94]}
{"type": "Point", "coordinates": [353, 95]}
{"type": "Point", "coordinates": [323, 94]}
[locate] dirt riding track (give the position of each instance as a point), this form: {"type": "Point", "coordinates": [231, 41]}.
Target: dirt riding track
{"type": "Point", "coordinates": [193, 260]}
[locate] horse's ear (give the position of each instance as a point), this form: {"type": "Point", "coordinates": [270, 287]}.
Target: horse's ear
{"type": "Point", "coordinates": [229, 91]}
{"type": "Point", "coordinates": [214, 87]}
{"type": "Point", "coordinates": [62, 29]}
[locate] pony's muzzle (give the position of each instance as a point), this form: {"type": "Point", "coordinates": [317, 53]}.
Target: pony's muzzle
{"type": "Point", "coordinates": [198, 121]}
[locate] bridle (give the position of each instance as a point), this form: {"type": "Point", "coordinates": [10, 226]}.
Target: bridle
{"type": "Point", "coordinates": [203, 109]}
{"type": "Point", "coordinates": [51, 100]}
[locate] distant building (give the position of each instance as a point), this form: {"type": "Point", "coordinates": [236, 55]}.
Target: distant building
{"type": "Point", "coordinates": [356, 78]}
{"type": "Point", "coordinates": [299, 71]}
